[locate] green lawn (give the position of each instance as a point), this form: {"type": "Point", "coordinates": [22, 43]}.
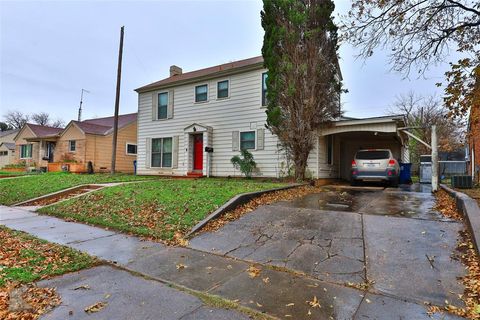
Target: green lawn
{"type": "Point", "coordinates": [26, 259]}
{"type": "Point", "coordinates": [163, 209]}
{"type": "Point", "coordinates": [25, 188]}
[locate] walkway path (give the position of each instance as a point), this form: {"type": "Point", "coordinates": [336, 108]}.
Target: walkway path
{"type": "Point", "coordinates": [271, 289]}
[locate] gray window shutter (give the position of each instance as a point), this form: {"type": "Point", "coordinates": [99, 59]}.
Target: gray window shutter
{"type": "Point", "coordinates": [154, 105]}
{"type": "Point", "coordinates": [175, 148]}
{"type": "Point", "coordinates": [235, 140]}
{"type": "Point", "coordinates": [260, 139]}
{"type": "Point", "coordinates": [148, 155]}
{"type": "Point", "coordinates": [170, 105]}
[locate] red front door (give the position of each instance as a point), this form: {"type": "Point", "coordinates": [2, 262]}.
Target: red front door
{"type": "Point", "coordinates": [198, 152]}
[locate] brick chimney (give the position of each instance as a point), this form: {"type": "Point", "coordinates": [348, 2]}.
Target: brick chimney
{"type": "Point", "coordinates": [175, 71]}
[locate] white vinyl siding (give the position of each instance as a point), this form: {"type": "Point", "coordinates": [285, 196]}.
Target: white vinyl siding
{"type": "Point", "coordinates": [242, 111]}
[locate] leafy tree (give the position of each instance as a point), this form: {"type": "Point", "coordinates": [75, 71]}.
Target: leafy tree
{"type": "Point", "coordinates": [4, 126]}
{"type": "Point", "coordinates": [300, 53]}
{"type": "Point", "coordinates": [420, 33]}
{"type": "Point", "coordinates": [246, 164]}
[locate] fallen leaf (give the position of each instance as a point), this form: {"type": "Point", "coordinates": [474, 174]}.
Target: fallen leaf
{"type": "Point", "coordinates": [266, 280]}
{"type": "Point", "coordinates": [95, 307]}
{"type": "Point", "coordinates": [314, 303]}
{"type": "Point", "coordinates": [83, 287]}
{"type": "Point", "coordinates": [181, 266]}
{"type": "Point", "coordinates": [290, 305]}
{"type": "Point", "coordinates": [253, 271]}
{"type": "Point", "coordinates": [258, 304]}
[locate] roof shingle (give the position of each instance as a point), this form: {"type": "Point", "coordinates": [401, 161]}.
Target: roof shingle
{"type": "Point", "coordinates": [211, 71]}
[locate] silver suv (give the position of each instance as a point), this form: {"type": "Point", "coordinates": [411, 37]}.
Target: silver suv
{"type": "Point", "coordinates": [375, 165]}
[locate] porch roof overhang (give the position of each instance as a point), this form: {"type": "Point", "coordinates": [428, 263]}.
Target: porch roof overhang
{"type": "Point", "coordinates": [197, 127]}
{"type": "Point", "coordinates": [43, 138]}
{"type": "Point", "coordinates": [387, 124]}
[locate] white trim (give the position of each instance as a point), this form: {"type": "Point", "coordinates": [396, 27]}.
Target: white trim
{"type": "Point", "coordinates": [240, 139]}
{"type": "Point", "coordinates": [158, 93]}
{"type": "Point", "coordinates": [70, 146]}
{"type": "Point", "coordinates": [228, 89]}
{"type": "Point", "coordinates": [126, 148]}
{"type": "Point", "coordinates": [161, 153]}
{"type": "Point", "coordinates": [195, 93]}
{"type": "Point", "coordinates": [31, 151]}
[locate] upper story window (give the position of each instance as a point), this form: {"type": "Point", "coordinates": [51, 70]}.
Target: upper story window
{"type": "Point", "coordinates": [201, 93]}
{"type": "Point", "coordinates": [264, 88]}
{"type": "Point", "coordinates": [72, 145]}
{"type": "Point", "coordinates": [222, 89]}
{"type": "Point", "coordinates": [25, 151]}
{"type": "Point", "coordinates": [131, 149]}
{"type": "Point", "coordinates": [162, 105]}
{"type": "Point", "coordinates": [247, 140]}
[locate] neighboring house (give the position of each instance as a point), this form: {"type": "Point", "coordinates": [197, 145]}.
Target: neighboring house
{"type": "Point", "coordinates": [91, 140]}
{"type": "Point", "coordinates": [223, 108]}
{"type": "Point", "coordinates": [7, 147]}
{"type": "Point", "coordinates": [35, 144]}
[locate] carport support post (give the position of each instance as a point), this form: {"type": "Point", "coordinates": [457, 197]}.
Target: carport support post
{"type": "Point", "coordinates": [434, 159]}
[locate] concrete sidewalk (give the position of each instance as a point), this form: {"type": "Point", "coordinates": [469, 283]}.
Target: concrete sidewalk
{"type": "Point", "coordinates": [272, 290]}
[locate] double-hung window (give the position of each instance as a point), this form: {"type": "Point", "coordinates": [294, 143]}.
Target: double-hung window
{"type": "Point", "coordinates": [162, 152]}
{"type": "Point", "coordinates": [72, 145]}
{"type": "Point", "coordinates": [247, 140]}
{"type": "Point", "coordinates": [222, 89]}
{"type": "Point", "coordinates": [26, 151]}
{"type": "Point", "coordinates": [162, 105]}
{"type": "Point", "coordinates": [264, 88]}
{"type": "Point", "coordinates": [201, 93]}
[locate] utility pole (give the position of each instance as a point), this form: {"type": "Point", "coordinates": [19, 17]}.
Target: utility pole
{"type": "Point", "coordinates": [80, 108]}
{"type": "Point", "coordinates": [434, 159]}
{"type": "Point", "coordinates": [117, 102]}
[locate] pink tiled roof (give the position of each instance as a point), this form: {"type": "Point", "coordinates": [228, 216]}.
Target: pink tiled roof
{"type": "Point", "coordinates": [202, 73]}
{"type": "Point", "coordinates": [44, 131]}
{"type": "Point", "coordinates": [104, 126]}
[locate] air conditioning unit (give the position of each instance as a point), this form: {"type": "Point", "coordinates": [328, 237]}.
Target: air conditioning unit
{"type": "Point", "coordinates": [462, 182]}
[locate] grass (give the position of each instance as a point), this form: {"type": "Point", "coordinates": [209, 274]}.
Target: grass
{"type": "Point", "coordinates": [29, 187]}
{"type": "Point", "coordinates": [163, 209]}
{"type": "Point", "coordinates": [15, 173]}
{"type": "Point", "coordinates": [26, 259]}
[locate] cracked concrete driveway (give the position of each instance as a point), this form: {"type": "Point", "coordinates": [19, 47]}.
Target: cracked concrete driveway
{"type": "Point", "coordinates": [393, 240]}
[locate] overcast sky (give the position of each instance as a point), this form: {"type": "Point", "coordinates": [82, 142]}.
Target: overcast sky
{"type": "Point", "coordinates": [51, 50]}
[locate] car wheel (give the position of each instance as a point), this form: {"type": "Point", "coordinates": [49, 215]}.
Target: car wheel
{"type": "Point", "coordinates": [394, 183]}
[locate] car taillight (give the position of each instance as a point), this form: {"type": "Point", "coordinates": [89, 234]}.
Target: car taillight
{"type": "Point", "coordinates": [354, 164]}
{"type": "Point", "coordinates": [391, 163]}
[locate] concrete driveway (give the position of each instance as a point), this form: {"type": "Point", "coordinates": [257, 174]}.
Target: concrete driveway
{"type": "Point", "coordinates": [391, 241]}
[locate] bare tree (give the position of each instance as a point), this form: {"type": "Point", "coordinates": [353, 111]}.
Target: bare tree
{"type": "Point", "coordinates": [421, 33]}
{"type": "Point", "coordinates": [16, 119]}
{"type": "Point", "coordinates": [59, 123]}
{"type": "Point", "coordinates": [423, 112]}
{"type": "Point", "coordinates": [41, 118]}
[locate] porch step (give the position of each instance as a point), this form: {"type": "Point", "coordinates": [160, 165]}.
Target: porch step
{"type": "Point", "coordinates": [195, 174]}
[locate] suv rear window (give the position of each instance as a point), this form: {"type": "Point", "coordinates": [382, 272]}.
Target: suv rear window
{"type": "Point", "coordinates": [372, 155]}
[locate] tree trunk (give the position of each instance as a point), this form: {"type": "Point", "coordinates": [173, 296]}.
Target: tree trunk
{"type": "Point", "coordinates": [300, 160]}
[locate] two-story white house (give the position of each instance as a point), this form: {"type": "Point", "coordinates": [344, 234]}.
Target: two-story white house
{"type": "Point", "coordinates": [222, 109]}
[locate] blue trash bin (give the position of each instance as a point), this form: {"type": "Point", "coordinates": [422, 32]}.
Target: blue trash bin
{"type": "Point", "coordinates": [135, 167]}
{"type": "Point", "coordinates": [405, 173]}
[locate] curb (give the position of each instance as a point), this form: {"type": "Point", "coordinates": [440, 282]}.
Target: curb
{"type": "Point", "coordinates": [471, 211]}
{"type": "Point", "coordinates": [234, 202]}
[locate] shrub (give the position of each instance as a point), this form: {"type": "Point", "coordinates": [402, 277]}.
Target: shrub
{"type": "Point", "coordinates": [245, 163]}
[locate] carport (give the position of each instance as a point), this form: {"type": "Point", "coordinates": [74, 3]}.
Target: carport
{"type": "Point", "coordinates": [349, 135]}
